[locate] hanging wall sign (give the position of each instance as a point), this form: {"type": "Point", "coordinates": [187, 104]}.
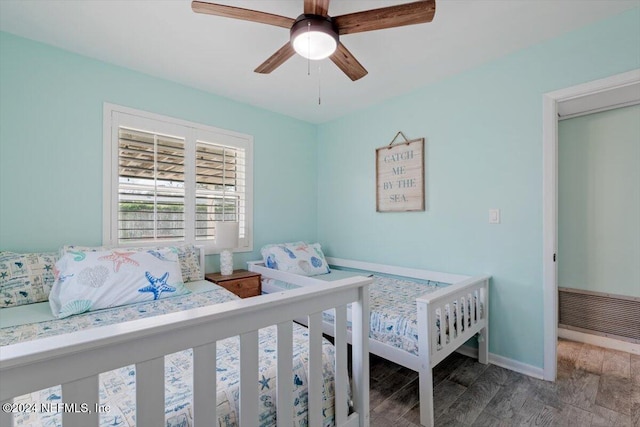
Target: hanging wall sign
{"type": "Point", "coordinates": [400, 176]}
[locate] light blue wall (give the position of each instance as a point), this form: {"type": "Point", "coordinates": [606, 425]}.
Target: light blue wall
{"type": "Point", "coordinates": [483, 131]}
{"type": "Point", "coordinates": [51, 104]}
{"type": "Point", "coordinates": [599, 202]}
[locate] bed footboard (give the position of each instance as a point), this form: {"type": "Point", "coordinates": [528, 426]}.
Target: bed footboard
{"type": "Point", "coordinates": [446, 320]}
{"type": "Point", "coordinates": [75, 360]}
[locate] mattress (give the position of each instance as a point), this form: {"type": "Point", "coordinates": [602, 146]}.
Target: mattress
{"type": "Point", "coordinates": [117, 387]}
{"type": "Point", "coordinates": [392, 305]}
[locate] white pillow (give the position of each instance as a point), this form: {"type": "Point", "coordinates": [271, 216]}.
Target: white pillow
{"type": "Point", "coordinates": [297, 257]}
{"type": "Point", "coordinates": [103, 279]}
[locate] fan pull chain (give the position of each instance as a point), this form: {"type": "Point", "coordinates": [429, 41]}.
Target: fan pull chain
{"type": "Point", "coordinates": [309, 48]}
{"type": "Point", "coordinates": [319, 86]}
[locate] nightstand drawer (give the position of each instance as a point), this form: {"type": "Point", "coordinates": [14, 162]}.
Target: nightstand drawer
{"type": "Point", "coordinates": [244, 288]}
{"type": "Point", "coordinates": [243, 283]}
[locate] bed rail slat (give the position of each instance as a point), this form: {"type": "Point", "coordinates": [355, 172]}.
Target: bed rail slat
{"type": "Point", "coordinates": [483, 339]}
{"type": "Point", "coordinates": [204, 385]}
{"type": "Point", "coordinates": [6, 417]}
{"type": "Point", "coordinates": [77, 393]}
{"type": "Point", "coordinates": [474, 306]}
{"type": "Point", "coordinates": [315, 378]}
{"type": "Point", "coordinates": [464, 302]}
{"type": "Point", "coordinates": [149, 393]}
{"type": "Point", "coordinates": [467, 313]}
{"type": "Point", "coordinates": [450, 321]}
{"type": "Point", "coordinates": [433, 334]}
{"type": "Point", "coordinates": [284, 378]}
{"type": "Point", "coordinates": [443, 324]}
{"type": "Point", "coordinates": [425, 374]}
{"type": "Point", "coordinates": [341, 368]}
{"type": "Point", "coordinates": [458, 319]}
{"type": "Point", "coordinates": [248, 378]}
{"type": "Point", "coordinates": [360, 354]}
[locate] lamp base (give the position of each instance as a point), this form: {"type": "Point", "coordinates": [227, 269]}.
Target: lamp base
{"type": "Point", "coordinates": [226, 262]}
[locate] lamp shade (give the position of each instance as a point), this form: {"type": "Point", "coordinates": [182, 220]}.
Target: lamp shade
{"type": "Point", "coordinates": [227, 234]}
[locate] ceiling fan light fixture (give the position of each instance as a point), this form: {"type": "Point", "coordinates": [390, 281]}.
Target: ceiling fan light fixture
{"type": "Point", "coordinates": [314, 37]}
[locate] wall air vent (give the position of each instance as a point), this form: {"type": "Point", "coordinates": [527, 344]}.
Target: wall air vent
{"type": "Point", "coordinates": [597, 313]}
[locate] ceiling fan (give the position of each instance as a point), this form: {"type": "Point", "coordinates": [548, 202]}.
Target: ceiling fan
{"type": "Point", "coordinates": [316, 35]}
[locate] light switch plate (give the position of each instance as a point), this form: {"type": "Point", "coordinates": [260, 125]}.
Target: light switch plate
{"type": "Point", "coordinates": [494, 216]}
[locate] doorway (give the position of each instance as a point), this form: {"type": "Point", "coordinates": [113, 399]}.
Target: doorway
{"type": "Point", "coordinates": [612, 92]}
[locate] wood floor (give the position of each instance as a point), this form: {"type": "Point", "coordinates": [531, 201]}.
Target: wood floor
{"type": "Point", "coordinates": [595, 387]}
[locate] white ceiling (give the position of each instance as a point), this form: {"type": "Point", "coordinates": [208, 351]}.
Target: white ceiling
{"type": "Point", "coordinates": [164, 38]}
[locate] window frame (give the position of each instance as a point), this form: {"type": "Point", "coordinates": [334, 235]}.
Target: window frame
{"type": "Point", "coordinates": [116, 116]}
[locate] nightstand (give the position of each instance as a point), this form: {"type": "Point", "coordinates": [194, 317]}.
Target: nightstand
{"type": "Point", "coordinates": [243, 283]}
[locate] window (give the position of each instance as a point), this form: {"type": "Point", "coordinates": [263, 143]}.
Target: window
{"type": "Point", "coordinates": [220, 187]}
{"type": "Point", "coordinates": [151, 182]}
{"type": "Point", "coordinates": [167, 180]}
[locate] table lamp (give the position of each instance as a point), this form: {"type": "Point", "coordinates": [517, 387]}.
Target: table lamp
{"type": "Point", "coordinates": [226, 240]}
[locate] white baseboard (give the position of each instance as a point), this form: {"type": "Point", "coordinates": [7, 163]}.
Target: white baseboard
{"type": "Point", "coordinates": [605, 342]}
{"type": "Point", "coordinates": [534, 371]}
{"type": "Point", "coordinates": [504, 362]}
{"type": "Point", "coordinates": [514, 365]}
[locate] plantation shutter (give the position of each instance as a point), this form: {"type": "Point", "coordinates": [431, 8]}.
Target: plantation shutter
{"type": "Point", "coordinates": [169, 180]}
{"type": "Point", "coordinates": [151, 186]}
{"type": "Point", "coordinates": [220, 187]}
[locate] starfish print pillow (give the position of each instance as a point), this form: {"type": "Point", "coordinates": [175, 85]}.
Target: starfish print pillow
{"type": "Point", "coordinates": [103, 279]}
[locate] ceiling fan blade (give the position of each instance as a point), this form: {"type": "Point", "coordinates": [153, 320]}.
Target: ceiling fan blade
{"type": "Point", "coordinates": [348, 63]}
{"type": "Point", "coordinates": [316, 7]}
{"type": "Point", "coordinates": [387, 17]}
{"type": "Point", "coordinates": [276, 60]}
{"type": "Point", "coordinates": [240, 13]}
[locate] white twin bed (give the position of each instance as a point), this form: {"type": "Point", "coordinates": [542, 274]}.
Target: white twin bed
{"type": "Point", "coordinates": [188, 360]}
{"type": "Point", "coordinates": [191, 359]}
{"type": "Point", "coordinates": [407, 307]}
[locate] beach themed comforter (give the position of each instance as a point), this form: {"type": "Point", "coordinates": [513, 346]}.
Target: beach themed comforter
{"type": "Point", "coordinates": [117, 388]}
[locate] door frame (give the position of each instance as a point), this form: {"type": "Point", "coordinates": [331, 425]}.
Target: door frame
{"type": "Point", "coordinates": [551, 102]}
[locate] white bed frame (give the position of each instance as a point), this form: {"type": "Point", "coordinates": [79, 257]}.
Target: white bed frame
{"type": "Point", "coordinates": [76, 359]}
{"type": "Point", "coordinates": [463, 289]}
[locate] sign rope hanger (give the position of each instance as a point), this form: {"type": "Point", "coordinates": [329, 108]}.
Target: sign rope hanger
{"type": "Point", "coordinates": [393, 141]}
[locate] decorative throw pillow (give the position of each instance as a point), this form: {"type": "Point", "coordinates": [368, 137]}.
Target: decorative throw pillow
{"type": "Point", "coordinates": [297, 257]}
{"type": "Point", "coordinates": [112, 278]}
{"type": "Point", "coordinates": [25, 278]}
{"type": "Point", "coordinates": [189, 263]}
